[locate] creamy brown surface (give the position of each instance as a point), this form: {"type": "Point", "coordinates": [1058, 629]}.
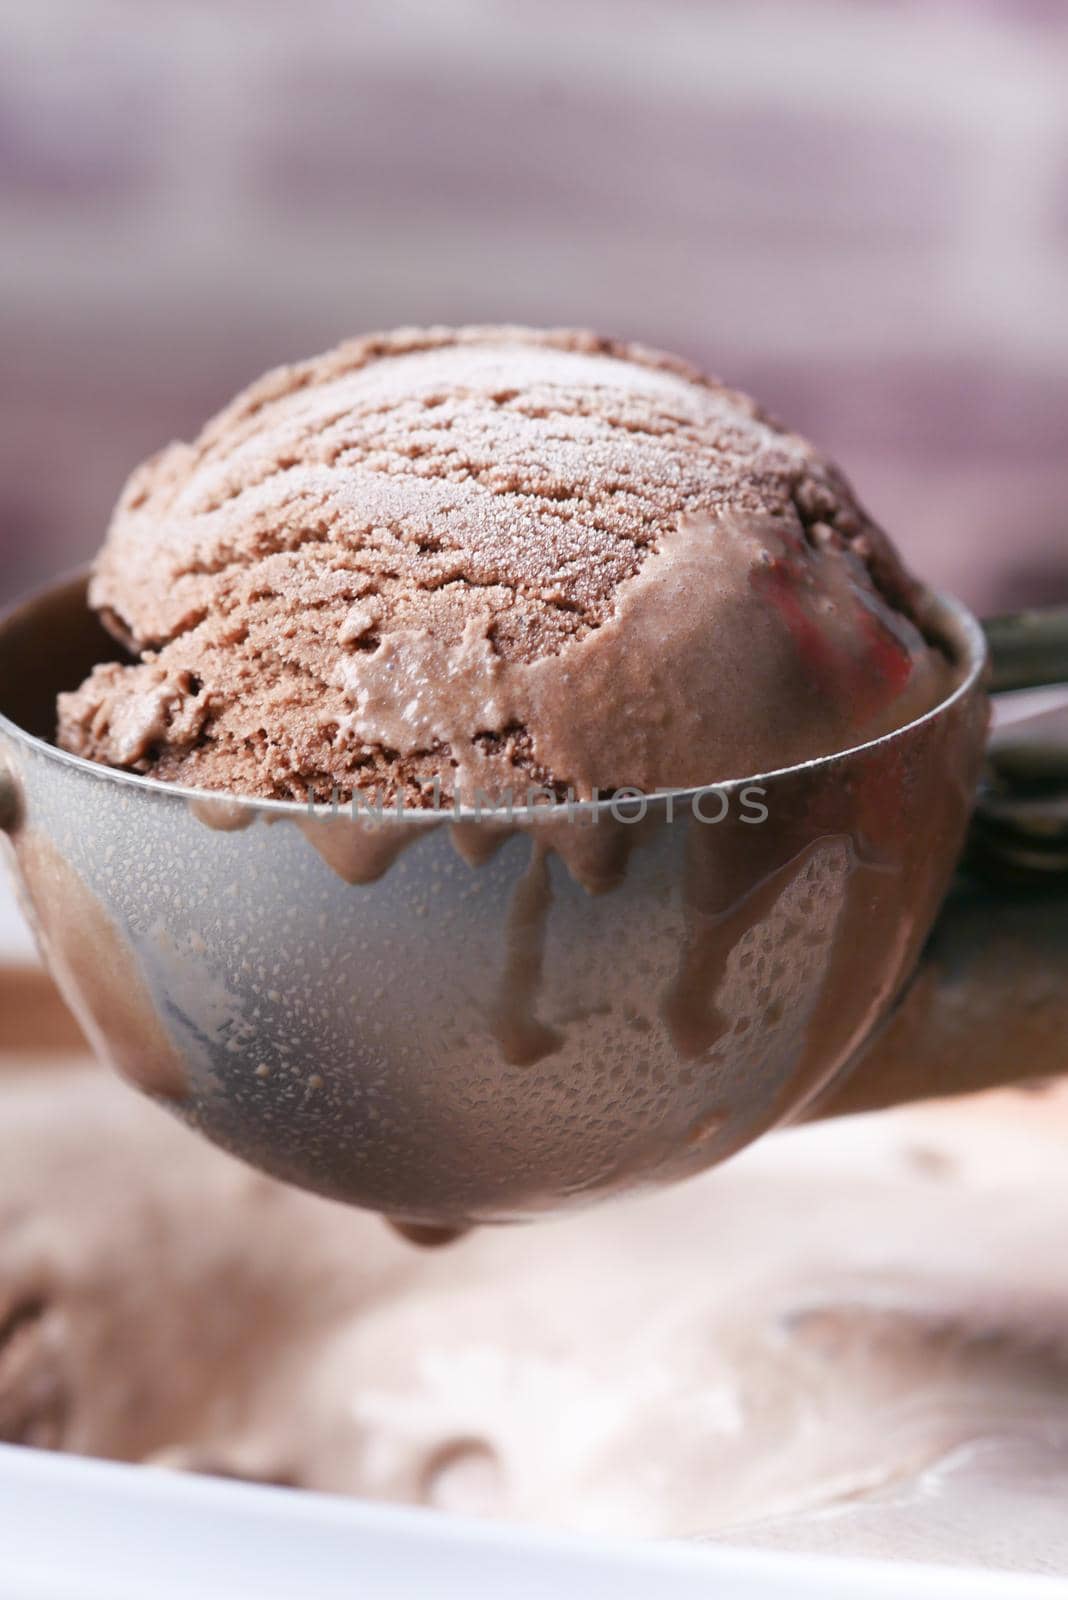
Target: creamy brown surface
{"type": "Point", "coordinates": [853, 1338]}
{"type": "Point", "coordinates": [498, 558]}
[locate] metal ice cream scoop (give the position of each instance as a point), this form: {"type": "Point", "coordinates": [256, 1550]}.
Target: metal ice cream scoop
{"type": "Point", "coordinates": [468, 1018]}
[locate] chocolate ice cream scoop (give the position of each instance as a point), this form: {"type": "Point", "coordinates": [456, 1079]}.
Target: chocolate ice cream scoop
{"type": "Point", "coordinates": [471, 562]}
{"type": "Point", "coordinates": [433, 566]}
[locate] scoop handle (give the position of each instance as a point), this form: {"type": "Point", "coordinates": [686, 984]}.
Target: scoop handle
{"type": "Point", "coordinates": [1028, 649]}
{"type": "Point", "coordinates": [987, 1005]}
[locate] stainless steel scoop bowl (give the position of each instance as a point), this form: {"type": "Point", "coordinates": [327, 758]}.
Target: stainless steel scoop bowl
{"type": "Point", "coordinates": [467, 1020]}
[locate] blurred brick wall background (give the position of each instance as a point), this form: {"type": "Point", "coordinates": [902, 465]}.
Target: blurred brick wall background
{"type": "Point", "coordinates": [858, 210]}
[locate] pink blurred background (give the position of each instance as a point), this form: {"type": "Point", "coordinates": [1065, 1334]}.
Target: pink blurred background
{"type": "Point", "coordinates": [859, 211]}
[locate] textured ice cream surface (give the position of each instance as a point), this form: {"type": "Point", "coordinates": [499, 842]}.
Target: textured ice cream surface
{"type": "Point", "coordinates": [850, 1339]}
{"type": "Point", "coordinates": [493, 558]}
